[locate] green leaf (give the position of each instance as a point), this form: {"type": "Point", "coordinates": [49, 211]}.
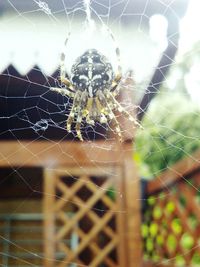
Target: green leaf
{"type": "Point", "coordinates": [187, 241]}
{"type": "Point", "coordinates": [153, 229]}
{"type": "Point", "coordinates": [176, 226]}
{"type": "Point", "coordinates": [171, 242]}
{"type": "Point", "coordinates": [157, 213]}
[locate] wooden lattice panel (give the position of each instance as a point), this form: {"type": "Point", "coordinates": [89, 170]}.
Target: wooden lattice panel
{"type": "Point", "coordinates": [85, 217]}
{"type": "Point", "coordinates": [171, 228]}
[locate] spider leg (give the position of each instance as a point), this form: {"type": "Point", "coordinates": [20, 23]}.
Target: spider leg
{"type": "Point", "coordinates": [63, 78]}
{"type": "Point", "coordinates": [117, 106]}
{"type": "Point", "coordinates": [80, 113]}
{"type": "Point", "coordinates": [115, 87]}
{"type": "Point", "coordinates": [89, 120]}
{"type": "Point", "coordinates": [109, 113]}
{"type": "Point", "coordinates": [103, 119]}
{"type": "Point", "coordinates": [64, 92]}
{"type": "Point", "coordinates": [93, 115]}
{"type": "Point", "coordinates": [117, 51]}
{"type": "Point", "coordinates": [63, 72]}
{"type": "Point", "coordinates": [118, 75]}
{"type": "Point", "coordinates": [114, 121]}
{"type": "Point", "coordinates": [76, 102]}
{"type": "Point", "coordinates": [78, 124]}
{"type": "Point", "coordinates": [116, 125]}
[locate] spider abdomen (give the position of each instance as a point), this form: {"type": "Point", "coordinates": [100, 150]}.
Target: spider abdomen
{"type": "Point", "coordinates": [92, 72]}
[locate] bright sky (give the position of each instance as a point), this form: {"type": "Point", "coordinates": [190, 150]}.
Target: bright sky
{"type": "Point", "coordinates": [190, 33]}
{"type": "Point", "coordinates": [189, 26]}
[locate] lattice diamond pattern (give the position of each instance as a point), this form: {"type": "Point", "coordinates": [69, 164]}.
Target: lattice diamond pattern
{"type": "Point", "coordinates": [171, 228]}
{"type": "Point", "coordinates": [86, 220]}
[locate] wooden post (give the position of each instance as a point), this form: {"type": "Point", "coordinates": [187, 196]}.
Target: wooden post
{"type": "Point", "coordinates": [49, 218]}
{"type": "Point", "coordinates": [132, 191]}
{"type": "Point", "coordinates": [121, 218]}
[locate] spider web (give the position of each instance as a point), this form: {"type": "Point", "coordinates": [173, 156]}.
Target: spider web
{"type": "Point", "coordinates": [33, 34]}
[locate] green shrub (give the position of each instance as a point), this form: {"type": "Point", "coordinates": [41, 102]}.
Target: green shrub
{"type": "Point", "coordinates": [171, 132]}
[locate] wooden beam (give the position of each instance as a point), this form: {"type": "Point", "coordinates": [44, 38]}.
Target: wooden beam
{"type": "Point", "coordinates": [50, 154]}
{"type": "Point", "coordinates": [178, 171]}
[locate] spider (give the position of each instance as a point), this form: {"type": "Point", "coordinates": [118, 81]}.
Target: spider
{"type": "Point", "coordinates": [93, 87]}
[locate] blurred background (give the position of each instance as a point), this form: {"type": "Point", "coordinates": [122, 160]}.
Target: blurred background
{"type": "Point", "coordinates": [154, 200]}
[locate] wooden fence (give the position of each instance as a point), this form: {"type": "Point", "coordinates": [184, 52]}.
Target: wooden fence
{"type": "Point", "coordinates": [171, 222]}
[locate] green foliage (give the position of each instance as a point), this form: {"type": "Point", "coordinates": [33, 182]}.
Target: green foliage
{"type": "Point", "coordinates": [171, 132]}
{"type": "Point", "coordinates": [111, 193]}
{"type": "Point", "coordinates": [153, 229]}
{"type": "Point", "coordinates": [171, 242]}
{"type": "Point", "coordinates": [172, 123]}
{"type": "Point", "coordinates": [149, 245]}
{"type": "Point", "coordinates": [170, 207]}
{"type": "Point", "coordinates": [180, 262]}
{"type": "Point", "coordinates": [145, 230]}
{"type": "Point", "coordinates": [157, 212]}
{"type": "Point", "coordinates": [160, 240]}
{"type": "Point", "coordinates": [176, 226]}
{"type": "Point", "coordinates": [187, 241]}
{"type": "Point", "coordinates": [169, 135]}
{"type": "Point", "coordinates": [196, 260]}
{"type": "Point", "coordinates": [151, 200]}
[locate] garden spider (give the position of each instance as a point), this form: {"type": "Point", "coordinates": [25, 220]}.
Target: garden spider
{"type": "Point", "coordinates": [93, 87]}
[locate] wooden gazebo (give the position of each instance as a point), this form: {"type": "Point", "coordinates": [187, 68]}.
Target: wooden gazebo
{"type": "Point", "coordinates": [91, 199]}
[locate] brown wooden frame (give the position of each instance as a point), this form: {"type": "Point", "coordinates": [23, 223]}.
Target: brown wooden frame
{"type": "Point", "coordinates": [52, 155]}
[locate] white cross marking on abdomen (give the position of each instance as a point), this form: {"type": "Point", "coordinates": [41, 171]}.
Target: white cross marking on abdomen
{"type": "Point", "coordinates": [90, 74]}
